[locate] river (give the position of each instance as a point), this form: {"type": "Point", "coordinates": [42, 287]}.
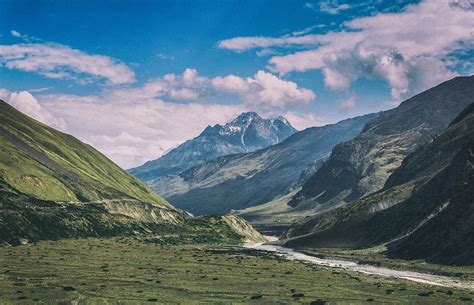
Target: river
{"type": "Point", "coordinates": [419, 277]}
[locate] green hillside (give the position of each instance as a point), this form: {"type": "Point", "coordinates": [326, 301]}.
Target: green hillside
{"type": "Point", "coordinates": [44, 163]}
{"type": "Point", "coordinates": [53, 186]}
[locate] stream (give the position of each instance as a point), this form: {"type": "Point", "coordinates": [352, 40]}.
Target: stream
{"type": "Point", "coordinates": [419, 277]}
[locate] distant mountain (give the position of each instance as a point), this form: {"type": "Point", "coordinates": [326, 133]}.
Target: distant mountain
{"type": "Point", "coordinates": [243, 180]}
{"type": "Point", "coordinates": [424, 211]}
{"type": "Point", "coordinates": [248, 132]}
{"type": "Point", "coordinates": [362, 165]}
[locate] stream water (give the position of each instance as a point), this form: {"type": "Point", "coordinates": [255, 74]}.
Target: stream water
{"type": "Point", "coordinates": [419, 277]}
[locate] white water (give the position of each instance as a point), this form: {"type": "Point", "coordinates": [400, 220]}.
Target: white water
{"type": "Point", "coordinates": [419, 277]}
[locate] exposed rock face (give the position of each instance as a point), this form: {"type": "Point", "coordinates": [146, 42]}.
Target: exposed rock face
{"type": "Point", "coordinates": [362, 165]}
{"type": "Point", "coordinates": [243, 180]}
{"type": "Point", "coordinates": [248, 132]}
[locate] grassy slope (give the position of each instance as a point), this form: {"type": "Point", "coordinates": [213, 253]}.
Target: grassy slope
{"type": "Point", "coordinates": [47, 164]}
{"type": "Point", "coordinates": [53, 186]}
{"type": "Point", "coordinates": [30, 219]}
{"type": "Point", "coordinates": [135, 272]}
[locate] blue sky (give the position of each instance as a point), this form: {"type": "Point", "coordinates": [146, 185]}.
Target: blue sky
{"type": "Point", "coordinates": [135, 78]}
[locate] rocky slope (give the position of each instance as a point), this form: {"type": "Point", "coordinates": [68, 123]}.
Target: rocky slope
{"type": "Point", "coordinates": [362, 165]}
{"type": "Point", "coordinates": [243, 180]}
{"type": "Point", "coordinates": [248, 132]}
{"type": "Point", "coordinates": [424, 211]}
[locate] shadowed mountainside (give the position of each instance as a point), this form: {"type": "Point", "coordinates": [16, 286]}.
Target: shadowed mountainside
{"type": "Point", "coordinates": [362, 165]}
{"type": "Point", "coordinates": [424, 211]}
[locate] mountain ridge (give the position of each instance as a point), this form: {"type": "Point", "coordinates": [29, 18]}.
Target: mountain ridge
{"type": "Point", "coordinates": [362, 165]}
{"type": "Point", "coordinates": [245, 133]}
{"type": "Point", "coordinates": [424, 211]}
{"type": "Point", "coordinates": [241, 180]}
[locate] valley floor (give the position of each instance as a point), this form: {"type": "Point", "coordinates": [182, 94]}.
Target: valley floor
{"type": "Point", "coordinates": [131, 270]}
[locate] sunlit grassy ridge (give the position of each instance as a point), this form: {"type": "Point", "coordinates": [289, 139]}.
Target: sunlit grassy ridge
{"type": "Point", "coordinates": [47, 164]}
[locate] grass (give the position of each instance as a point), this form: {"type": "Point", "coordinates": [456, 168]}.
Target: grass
{"type": "Point", "coordinates": [130, 270]}
{"type": "Point", "coordinates": [47, 164]}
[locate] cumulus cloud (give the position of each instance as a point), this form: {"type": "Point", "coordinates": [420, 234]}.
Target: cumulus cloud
{"type": "Point", "coordinates": [265, 90]}
{"type": "Point", "coordinates": [28, 104]}
{"type": "Point", "coordinates": [404, 76]}
{"type": "Point", "coordinates": [348, 104]}
{"type": "Point", "coordinates": [60, 61]}
{"type": "Point", "coordinates": [410, 49]}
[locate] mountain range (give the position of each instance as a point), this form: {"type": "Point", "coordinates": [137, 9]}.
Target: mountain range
{"type": "Point", "coordinates": [242, 180]}
{"type": "Point", "coordinates": [399, 182]}
{"type": "Point", "coordinates": [247, 132]}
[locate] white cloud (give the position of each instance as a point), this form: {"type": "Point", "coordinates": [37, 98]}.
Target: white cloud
{"type": "Point", "coordinates": [266, 52]}
{"type": "Point", "coordinates": [308, 30]}
{"type": "Point", "coordinates": [15, 33]}
{"type": "Point", "coordinates": [395, 47]}
{"type": "Point", "coordinates": [403, 76]}
{"type": "Point", "coordinates": [348, 104]}
{"type": "Point", "coordinates": [59, 61]}
{"type": "Point", "coordinates": [163, 56]}
{"type": "Point", "coordinates": [265, 90]}
{"type": "Point", "coordinates": [240, 44]}
{"type": "Point", "coordinates": [304, 120]}
{"type": "Point", "coordinates": [132, 130]}
{"type": "Point", "coordinates": [28, 104]}
{"type": "Point", "coordinates": [329, 6]}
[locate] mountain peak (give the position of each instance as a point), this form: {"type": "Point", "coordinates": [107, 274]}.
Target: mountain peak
{"type": "Point", "coordinates": [245, 133]}
{"type": "Point", "coordinates": [245, 118]}
{"type": "Point", "coordinates": [249, 114]}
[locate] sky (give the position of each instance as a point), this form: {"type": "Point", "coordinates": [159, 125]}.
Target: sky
{"type": "Point", "coordinates": [137, 78]}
